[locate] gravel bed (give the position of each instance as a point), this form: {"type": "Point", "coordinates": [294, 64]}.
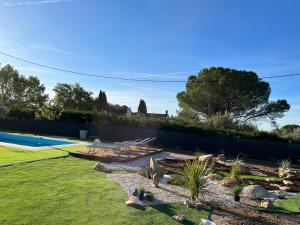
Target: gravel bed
{"type": "Point", "coordinates": [166, 193]}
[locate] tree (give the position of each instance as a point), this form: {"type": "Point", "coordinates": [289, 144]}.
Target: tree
{"type": "Point", "coordinates": [72, 97]}
{"type": "Point", "coordinates": [142, 107]}
{"type": "Point", "coordinates": [102, 102]}
{"type": "Point", "coordinates": [3, 111]}
{"type": "Point", "coordinates": [20, 92]}
{"type": "Point", "coordinates": [240, 94]}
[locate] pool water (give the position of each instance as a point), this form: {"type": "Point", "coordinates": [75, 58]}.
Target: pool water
{"type": "Point", "coordinates": [30, 141]}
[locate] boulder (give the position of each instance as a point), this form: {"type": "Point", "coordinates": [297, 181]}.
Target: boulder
{"type": "Point", "coordinates": [214, 177]}
{"type": "Point", "coordinates": [284, 188]}
{"type": "Point", "coordinates": [256, 192]}
{"type": "Point", "coordinates": [207, 222]}
{"type": "Point", "coordinates": [179, 218]}
{"type": "Point", "coordinates": [221, 157]}
{"type": "Point", "coordinates": [267, 203]}
{"type": "Point", "coordinates": [133, 202]}
{"type": "Point", "coordinates": [288, 182]}
{"type": "Point", "coordinates": [206, 159]}
{"type": "Point", "coordinates": [228, 182]}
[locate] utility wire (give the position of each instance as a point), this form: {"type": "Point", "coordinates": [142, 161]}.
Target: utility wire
{"type": "Point", "coordinates": [121, 78]}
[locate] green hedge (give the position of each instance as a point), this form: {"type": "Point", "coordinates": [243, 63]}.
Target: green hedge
{"type": "Point", "coordinates": [141, 121]}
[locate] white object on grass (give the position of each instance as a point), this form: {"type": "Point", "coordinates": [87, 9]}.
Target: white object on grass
{"type": "Point", "coordinates": [207, 222]}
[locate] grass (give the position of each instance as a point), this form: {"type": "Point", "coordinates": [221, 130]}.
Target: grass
{"type": "Point", "coordinates": [253, 177]}
{"type": "Point", "coordinates": [69, 191]}
{"type": "Point", "coordinates": [13, 155]}
{"type": "Point", "coordinates": [291, 205]}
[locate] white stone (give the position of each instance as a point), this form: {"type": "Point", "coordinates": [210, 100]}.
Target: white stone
{"type": "Point", "coordinates": [207, 222]}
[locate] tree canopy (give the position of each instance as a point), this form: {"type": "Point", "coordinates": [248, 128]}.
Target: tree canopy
{"type": "Point", "coordinates": [20, 92]}
{"type": "Point", "coordinates": [240, 94]}
{"type": "Point", "coordinates": [73, 97]}
{"type": "Point", "coordinates": [142, 107]}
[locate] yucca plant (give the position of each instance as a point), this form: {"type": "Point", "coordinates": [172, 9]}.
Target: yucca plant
{"type": "Point", "coordinates": [235, 170]}
{"type": "Point", "coordinates": [195, 174]}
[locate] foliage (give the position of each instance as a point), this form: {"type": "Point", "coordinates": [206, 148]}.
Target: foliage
{"type": "Point", "coordinates": [73, 97]}
{"type": "Point", "coordinates": [235, 170]}
{"type": "Point", "coordinates": [288, 128]}
{"type": "Point", "coordinates": [34, 189]}
{"type": "Point", "coordinates": [241, 94]}
{"type": "Point", "coordinates": [285, 164]}
{"type": "Point", "coordinates": [177, 180]}
{"type": "Point", "coordinates": [77, 116]}
{"type": "Point", "coordinates": [102, 102]}
{"type": "Point", "coordinates": [195, 174]}
{"type": "Point", "coordinates": [293, 134]}
{"type": "Point", "coordinates": [236, 191]}
{"type": "Point", "coordinates": [21, 114]}
{"type": "Point", "coordinates": [20, 92]}
{"type": "Point", "coordinates": [142, 107]}
{"type": "Point", "coordinates": [116, 109]}
{"type": "Point", "coordinates": [3, 111]}
{"type": "Point", "coordinates": [48, 112]}
{"type": "Point", "coordinates": [148, 196]}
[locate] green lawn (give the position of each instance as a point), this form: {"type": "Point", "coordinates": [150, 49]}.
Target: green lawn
{"type": "Point", "coordinates": [253, 177]}
{"type": "Point", "coordinates": [291, 205]}
{"type": "Point", "coordinates": [69, 191]}
{"type": "Point", "coordinates": [10, 155]}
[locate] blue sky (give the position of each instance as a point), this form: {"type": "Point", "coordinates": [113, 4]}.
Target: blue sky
{"type": "Point", "coordinates": [154, 39]}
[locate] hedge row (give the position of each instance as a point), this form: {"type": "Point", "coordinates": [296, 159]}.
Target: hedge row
{"type": "Point", "coordinates": [146, 122]}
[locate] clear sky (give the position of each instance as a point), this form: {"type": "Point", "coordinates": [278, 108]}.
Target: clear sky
{"type": "Point", "coordinates": [154, 39]}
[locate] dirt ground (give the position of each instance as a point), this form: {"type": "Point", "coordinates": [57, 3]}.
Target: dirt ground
{"type": "Point", "coordinates": [242, 216]}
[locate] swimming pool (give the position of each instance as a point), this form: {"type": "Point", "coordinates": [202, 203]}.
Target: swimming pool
{"type": "Point", "coordinates": [30, 141]}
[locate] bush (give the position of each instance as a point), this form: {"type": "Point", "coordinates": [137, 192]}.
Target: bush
{"type": "Point", "coordinates": [195, 174]}
{"type": "Point", "coordinates": [77, 116]}
{"type": "Point", "coordinates": [293, 135]}
{"type": "Point", "coordinates": [3, 111]}
{"type": "Point", "coordinates": [235, 170]}
{"type": "Point", "coordinates": [22, 115]}
{"type": "Point", "coordinates": [236, 191]}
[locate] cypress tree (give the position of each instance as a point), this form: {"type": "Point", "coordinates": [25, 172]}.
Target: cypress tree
{"type": "Point", "coordinates": [142, 107]}
{"type": "Point", "coordinates": [102, 102]}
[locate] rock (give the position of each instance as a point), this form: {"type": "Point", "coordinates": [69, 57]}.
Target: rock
{"type": "Point", "coordinates": [221, 157]}
{"type": "Point", "coordinates": [141, 171]}
{"type": "Point", "coordinates": [207, 222]}
{"type": "Point", "coordinates": [284, 188]}
{"type": "Point", "coordinates": [257, 173]}
{"type": "Point", "coordinates": [188, 203]}
{"type": "Point", "coordinates": [267, 203]}
{"type": "Point", "coordinates": [214, 177]}
{"type": "Point", "coordinates": [155, 179]}
{"type": "Point", "coordinates": [288, 182]}
{"type": "Point", "coordinates": [179, 218]}
{"type": "Point", "coordinates": [228, 182]}
{"type": "Point", "coordinates": [99, 166]}
{"type": "Point", "coordinates": [289, 174]}
{"type": "Point", "coordinates": [256, 192]}
{"type": "Point", "coordinates": [206, 159]}
{"type": "Point", "coordinates": [133, 201]}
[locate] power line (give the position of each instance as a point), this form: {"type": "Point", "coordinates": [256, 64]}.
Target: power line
{"type": "Point", "coordinates": [90, 74]}
{"type": "Point", "coordinates": [122, 78]}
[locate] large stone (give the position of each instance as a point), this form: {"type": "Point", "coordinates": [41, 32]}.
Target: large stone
{"type": "Point", "coordinates": [289, 174]}
{"type": "Point", "coordinates": [155, 179]}
{"type": "Point", "coordinates": [284, 188]}
{"type": "Point", "coordinates": [133, 202]}
{"type": "Point", "coordinates": [207, 222]}
{"type": "Point", "coordinates": [179, 218]}
{"type": "Point", "coordinates": [288, 182]}
{"type": "Point", "coordinates": [227, 182]}
{"type": "Point", "coordinates": [267, 203]}
{"type": "Point", "coordinates": [256, 192]}
{"type": "Point", "coordinates": [221, 157]}
{"type": "Point", "coordinates": [214, 177]}
{"type": "Point", "coordinates": [206, 159]}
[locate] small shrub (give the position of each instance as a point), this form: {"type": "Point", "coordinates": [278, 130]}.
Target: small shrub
{"type": "Point", "coordinates": [177, 180]}
{"type": "Point", "coordinates": [148, 196]}
{"type": "Point", "coordinates": [236, 191]}
{"type": "Point", "coordinates": [285, 164]}
{"type": "Point", "coordinates": [141, 192]}
{"type": "Point", "coordinates": [235, 170]}
{"type": "Point", "coordinates": [195, 174]}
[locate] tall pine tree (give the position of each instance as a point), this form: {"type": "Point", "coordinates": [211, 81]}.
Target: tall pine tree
{"type": "Point", "coordinates": [102, 102]}
{"type": "Point", "coordinates": [142, 107]}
